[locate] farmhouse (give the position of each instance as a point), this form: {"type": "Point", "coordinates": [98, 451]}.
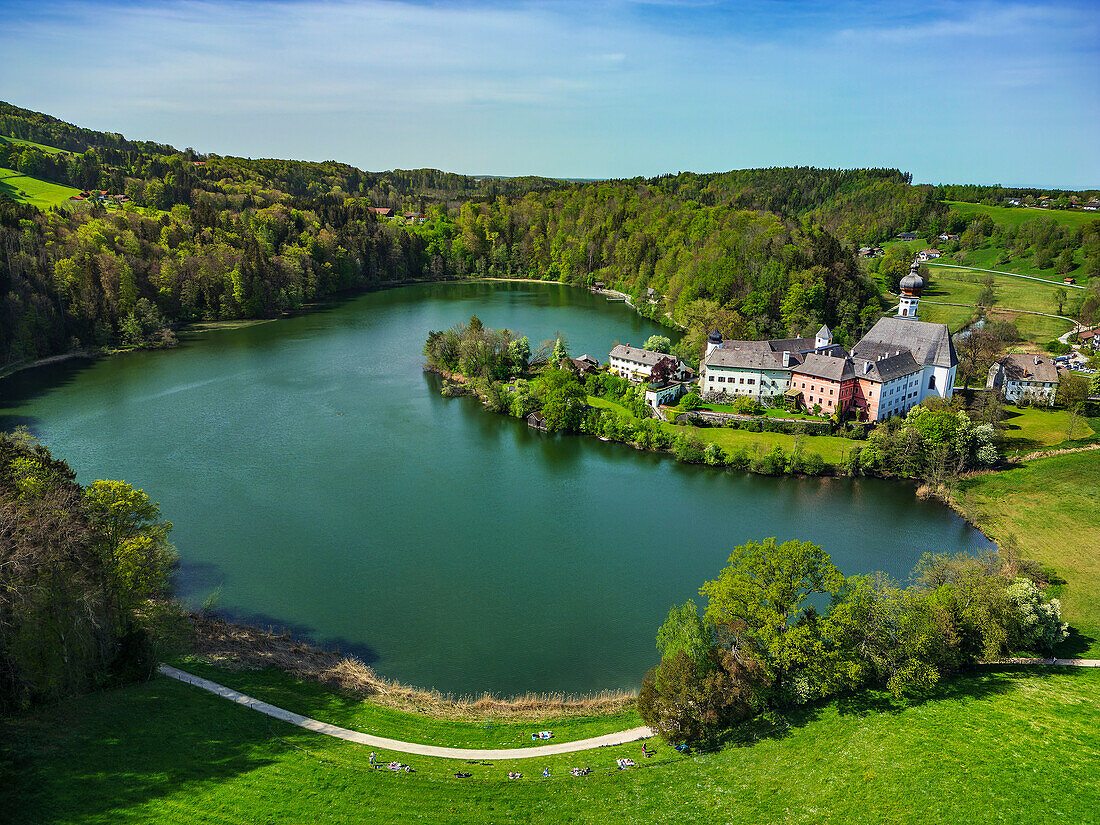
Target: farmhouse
{"type": "Point", "coordinates": [381, 211]}
{"type": "Point", "coordinates": [1090, 337]}
{"type": "Point", "coordinates": [1024, 377]}
{"type": "Point", "coordinates": [907, 236]}
{"type": "Point", "coordinates": [637, 364]}
{"type": "Point", "coordinates": [928, 254]}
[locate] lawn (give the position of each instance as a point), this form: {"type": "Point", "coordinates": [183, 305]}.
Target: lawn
{"type": "Point", "coordinates": [314, 700]}
{"type": "Point", "coordinates": [831, 448]}
{"type": "Point", "coordinates": [1013, 745]}
{"type": "Point", "coordinates": [49, 150]}
{"type": "Point", "coordinates": [40, 193]}
{"type": "Point", "coordinates": [1015, 215]}
{"type": "Point", "coordinates": [1049, 508]}
{"type": "Point", "coordinates": [1035, 428]}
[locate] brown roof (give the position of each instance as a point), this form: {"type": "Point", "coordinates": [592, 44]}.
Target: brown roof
{"type": "Point", "coordinates": [1024, 368]}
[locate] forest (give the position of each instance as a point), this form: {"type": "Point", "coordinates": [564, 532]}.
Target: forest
{"type": "Point", "coordinates": [189, 237]}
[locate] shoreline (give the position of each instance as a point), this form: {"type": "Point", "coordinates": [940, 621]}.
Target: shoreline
{"type": "Point", "coordinates": [19, 366]}
{"type": "Point", "coordinates": [235, 646]}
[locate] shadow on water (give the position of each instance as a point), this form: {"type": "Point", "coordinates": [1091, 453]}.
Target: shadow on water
{"type": "Point", "coordinates": [191, 579]}
{"type": "Point", "coordinates": [20, 388]}
{"type": "Point", "coordinates": [302, 633]}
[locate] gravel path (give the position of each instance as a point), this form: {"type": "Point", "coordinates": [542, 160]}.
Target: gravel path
{"type": "Point", "coordinates": [620, 738]}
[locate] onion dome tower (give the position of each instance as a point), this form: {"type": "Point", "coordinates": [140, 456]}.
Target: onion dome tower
{"type": "Point", "coordinates": [910, 288]}
{"type": "Point", "coordinates": [714, 341]}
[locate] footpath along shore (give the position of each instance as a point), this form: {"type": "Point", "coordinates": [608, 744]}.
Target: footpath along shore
{"type": "Point", "coordinates": [620, 738]}
{"type": "Point", "coordinates": [608, 739]}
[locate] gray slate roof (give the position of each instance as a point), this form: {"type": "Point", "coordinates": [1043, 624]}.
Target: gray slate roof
{"type": "Point", "coordinates": [887, 369]}
{"type": "Point", "coordinates": [765, 355]}
{"type": "Point", "coordinates": [930, 343]}
{"type": "Point", "coordinates": [826, 366]}
{"type": "Point", "coordinates": [639, 355]}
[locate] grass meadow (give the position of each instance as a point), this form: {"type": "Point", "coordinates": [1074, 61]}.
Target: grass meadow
{"type": "Point", "coordinates": [39, 193]}
{"type": "Point", "coordinates": [1007, 744]}
{"type": "Point", "coordinates": [1048, 508]}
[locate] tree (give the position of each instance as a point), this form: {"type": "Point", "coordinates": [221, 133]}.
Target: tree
{"type": "Point", "coordinates": [664, 370]}
{"type": "Point", "coordinates": [1059, 298]}
{"type": "Point", "coordinates": [1037, 625]}
{"type": "Point", "coordinates": [560, 353]}
{"type": "Point", "coordinates": [1073, 389]}
{"type": "Point", "coordinates": [133, 542]}
{"type": "Point", "coordinates": [519, 352]}
{"type": "Point", "coordinates": [987, 297]}
{"type": "Point", "coordinates": [658, 343]}
{"type": "Point", "coordinates": [563, 400]}
{"type": "Point", "coordinates": [761, 605]}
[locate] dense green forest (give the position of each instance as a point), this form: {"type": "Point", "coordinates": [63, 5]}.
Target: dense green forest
{"type": "Point", "coordinates": [192, 237]}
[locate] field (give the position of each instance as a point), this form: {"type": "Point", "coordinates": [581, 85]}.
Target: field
{"type": "Point", "coordinates": [1036, 428]}
{"type": "Point", "coordinates": [39, 193]}
{"type": "Point", "coordinates": [831, 448]}
{"type": "Point", "coordinates": [1014, 745]}
{"type": "Point", "coordinates": [1048, 507]}
{"type": "Point", "coordinates": [49, 150]}
{"type": "Point", "coordinates": [963, 286]}
{"type": "Point", "coordinates": [1015, 215]}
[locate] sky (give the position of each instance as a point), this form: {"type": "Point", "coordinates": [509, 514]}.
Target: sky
{"type": "Point", "coordinates": [953, 92]}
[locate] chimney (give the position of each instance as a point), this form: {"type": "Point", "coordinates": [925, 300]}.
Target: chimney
{"type": "Point", "coordinates": [786, 358]}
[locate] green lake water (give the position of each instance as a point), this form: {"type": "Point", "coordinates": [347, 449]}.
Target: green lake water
{"type": "Point", "coordinates": [315, 475]}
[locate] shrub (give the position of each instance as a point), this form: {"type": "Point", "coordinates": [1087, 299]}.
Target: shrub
{"type": "Point", "coordinates": [748, 406]}
{"type": "Point", "coordinates": [691, 401]}
{"type": "Point", "coordinates": [714, 455]}
{"type": "Point", "coordinates": [689, 448]}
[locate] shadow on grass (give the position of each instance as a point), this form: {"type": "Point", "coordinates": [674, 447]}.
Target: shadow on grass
{"type": "Point", "coordinates": [972, 685]}
{"type": "Point", "coordinates": [1075, 645]}
{"type": "Point", "coordinates": [93, 757]}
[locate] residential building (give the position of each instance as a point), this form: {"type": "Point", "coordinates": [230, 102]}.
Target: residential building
{"type": "Point", "coordinates": [1089, 337]}
{"type": "Point", "coordinates": [637, 364]}
{"type": "Point", "coordinates": [907, 236]}
{"type": "Point", "coordinates": [824, 381]}
{"type": "Point", "coordinates": [760, 369]}
{"type": "Point", "coordinates": [928, 254]}
{"type": "Point", "coordinates": [1021, 377]}
{"type": "Point", "coordinates": [886, 387]}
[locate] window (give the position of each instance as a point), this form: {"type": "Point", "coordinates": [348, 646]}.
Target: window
{"type": "Point", "coordinates": [752, 380]}
{"type": "Point", "coordinates": [742, 380]}
{"type": "Point", "coordinates": [721, 380]}
{"type": "Point", "coordinates": [931, 382]}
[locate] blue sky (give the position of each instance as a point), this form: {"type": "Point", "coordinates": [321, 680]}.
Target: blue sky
{"type": "Point", "coordinates": [985, 92]}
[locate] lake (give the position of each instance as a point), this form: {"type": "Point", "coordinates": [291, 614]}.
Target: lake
{"type": "Point", "coordinates": [319, 482]}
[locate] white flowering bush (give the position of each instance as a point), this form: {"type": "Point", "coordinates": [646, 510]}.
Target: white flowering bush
{"type": "Point", "coordinates": [1038, 625]}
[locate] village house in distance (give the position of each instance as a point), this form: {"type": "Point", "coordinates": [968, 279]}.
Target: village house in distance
{"type": "Point", "coordinates": [900, 362]}
{"type": "Point", "coordinates": [1024, 378]}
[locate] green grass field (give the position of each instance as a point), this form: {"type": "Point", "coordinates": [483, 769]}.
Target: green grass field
{"type": "Point", "coordinates": [1012, 745]}
{"type": "Point", "coordinates": [49, 150]}
{"type": "Point", "coordinates": [1048, 507]}
{"type": "Point", "coordinates": [831, 448]}
{"type": "Point", "coordinates": [1014, 215]}
{"type": "Point", "coordinates": [963, 286]}
{"type": "Point", "coordinates": [40, 193]}
{"type": "Point", "coordinates": [1035, 428]}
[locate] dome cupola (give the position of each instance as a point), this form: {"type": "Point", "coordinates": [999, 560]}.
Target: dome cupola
{"type": "Point", "coordinates": [913, 283]}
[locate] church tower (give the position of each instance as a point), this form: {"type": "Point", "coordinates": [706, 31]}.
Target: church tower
{"type": "Point", "coordinates": [910, 288]}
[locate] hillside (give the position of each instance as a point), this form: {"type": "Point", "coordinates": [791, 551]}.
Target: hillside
{"type": "Point", "coordinates": [202, 238]}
